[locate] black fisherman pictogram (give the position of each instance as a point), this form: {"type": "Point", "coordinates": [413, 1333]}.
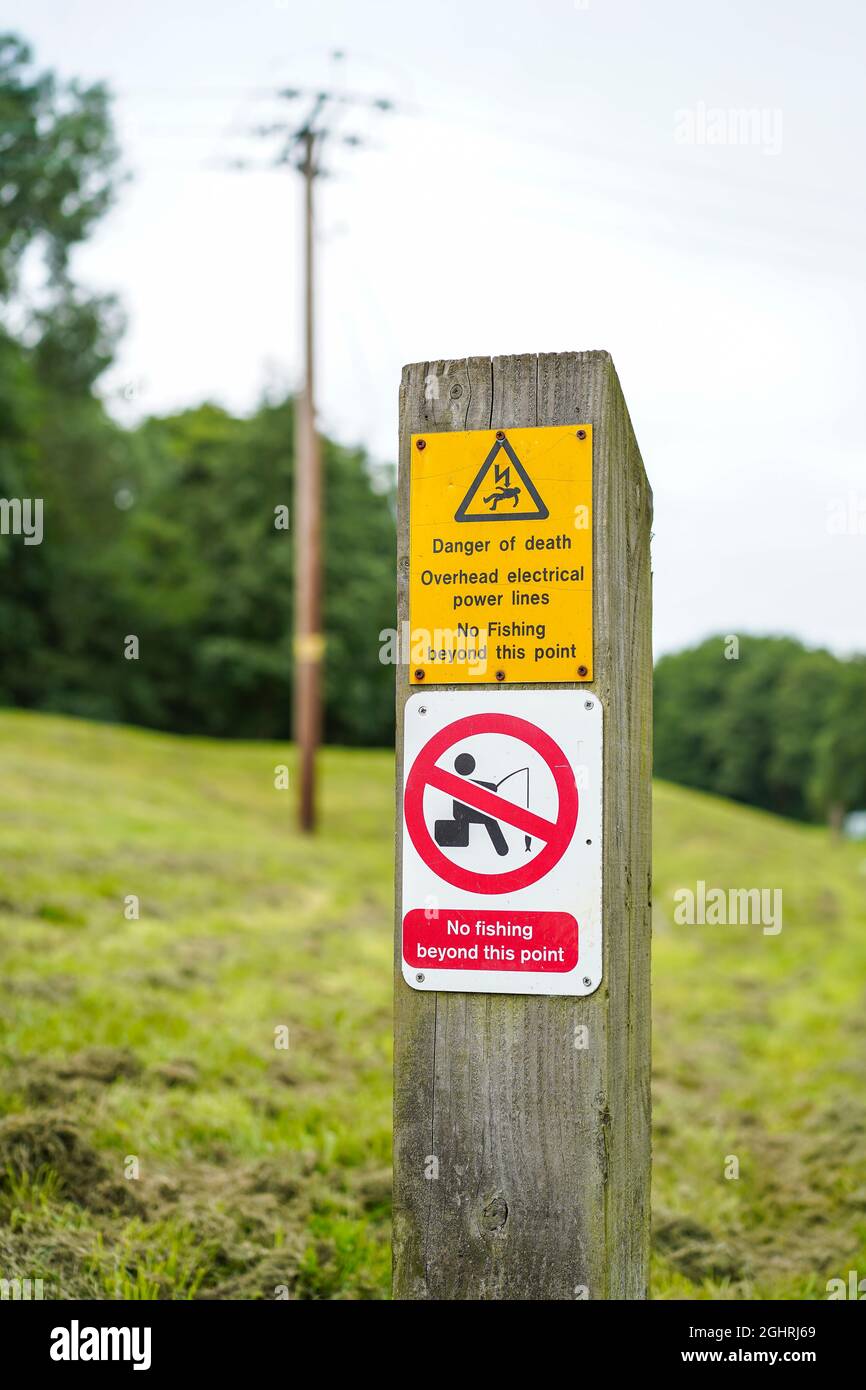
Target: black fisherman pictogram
{"type": "Point", "coordinates": [454, 833]}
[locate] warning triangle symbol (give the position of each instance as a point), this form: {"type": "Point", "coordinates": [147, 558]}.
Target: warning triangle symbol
{"type": "Point", "coordinates": [502, 490]}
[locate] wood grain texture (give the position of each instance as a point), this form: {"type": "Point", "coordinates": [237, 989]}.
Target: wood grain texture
{"type": "Point", "coordinates": [543, 1149]}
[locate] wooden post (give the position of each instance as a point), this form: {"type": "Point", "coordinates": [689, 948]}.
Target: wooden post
{"type": "Point", "coordinates": [307, 526]}
{"type": "Point", "coordinates": [542, 1146]}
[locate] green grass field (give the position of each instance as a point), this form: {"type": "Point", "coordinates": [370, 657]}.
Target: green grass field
{"type": "Point", "coordinates": [151, 1043]}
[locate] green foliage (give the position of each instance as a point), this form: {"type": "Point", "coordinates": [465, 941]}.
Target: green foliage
{"type": "Point", "coordinates": [56, 598]}
{"type": "Point", "coordinates": [169, 533]}
{"type": "Point", "coordinates": [58, 156]}
{"type": "Point", "coordinates": [777, 726]}
{"type": "Point", "coordinates": [56, 444]}
{"type": "Point", "coordinates": [206, 578]}
{"type": "Point", "coordinates": [76, 340]}
{"type": "Point", "coordinates": [839, 778]}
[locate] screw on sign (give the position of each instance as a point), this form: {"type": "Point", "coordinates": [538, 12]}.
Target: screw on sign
{"type": "Point", "coordinates": [510, 888]}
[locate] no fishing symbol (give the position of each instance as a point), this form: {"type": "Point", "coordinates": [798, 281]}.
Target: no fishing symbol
{"type": "Point", "coordinates": [477, 803]}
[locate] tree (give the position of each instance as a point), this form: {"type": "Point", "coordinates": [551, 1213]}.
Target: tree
{"type": "Point", "coordinates": [690, 690]}
{"type": "Point", "coordinates": [838, 784]}
{"type": "Point", "coordinates": [59, 159]}
{"type": "Point", "coordinates": [208, 573]}
{"type": "Point", "coordinates": [798, 707]}
{"type": "Point", "coordinates": [780, 726]}
{"type": "Point", "coordinates": [743, 734]}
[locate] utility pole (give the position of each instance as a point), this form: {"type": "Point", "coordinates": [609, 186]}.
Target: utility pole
{"type": "Point", "coordinates": [301, 146]}
{"type": "Point", "coordinates": [309, 643]}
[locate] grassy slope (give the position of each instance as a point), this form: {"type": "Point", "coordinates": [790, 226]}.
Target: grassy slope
{"type": "Point", "coordinates": [759, 1052]}
{"type": "Point", "coordinates": [262, 1167]}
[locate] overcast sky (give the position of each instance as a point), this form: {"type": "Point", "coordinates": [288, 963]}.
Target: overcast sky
{"type": "Point", "coordinates": [679, 183]}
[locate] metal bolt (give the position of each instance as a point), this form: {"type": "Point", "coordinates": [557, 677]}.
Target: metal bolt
{"type": "Point", "coordinates": [586, 980]}
{"type": "Point", "coordinates": [583, 670]}
{"type": "Point", "coordinates": [589, 842]}
{"type": "Point", "coordinates": [581, 434]}
{"type": "Point", "coordinates": [419, 674]}
{"type": "Point", "coordinates": [420, 979]}
{"type": "Point", "coordinates": [456, 391]}
{"type": "Point", "coordinates": [422, 709]}
{"type": "Point", "coordinates": [588, 704]}
{"type": "Point", "coordinates": [500, 675]}
{"type": "Point", "coordinates": [500, 434]}
{"type": "Point", "coordinates": [420, 443]}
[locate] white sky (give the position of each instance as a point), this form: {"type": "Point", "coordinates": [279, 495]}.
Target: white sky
{"type": "Point", "coordinates": [531, 194]}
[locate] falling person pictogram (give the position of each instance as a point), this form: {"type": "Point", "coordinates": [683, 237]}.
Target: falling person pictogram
{"type": "Point", "coordinates": [501, 495]}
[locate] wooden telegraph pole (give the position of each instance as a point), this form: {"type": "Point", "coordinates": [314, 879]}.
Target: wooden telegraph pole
{"type": "Point", "coordinates": [307, 528]}
{"type": "Point", "coordinates": [522, 1093]}
{"type": "Point", "coordinates": [300, 144]}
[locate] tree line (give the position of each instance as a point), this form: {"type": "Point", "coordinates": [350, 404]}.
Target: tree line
{"type": "Point", "coordinates": [766, 721]}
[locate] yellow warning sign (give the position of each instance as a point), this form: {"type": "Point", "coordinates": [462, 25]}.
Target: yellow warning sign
{"type": "Point", "coordinates": [500, 556]}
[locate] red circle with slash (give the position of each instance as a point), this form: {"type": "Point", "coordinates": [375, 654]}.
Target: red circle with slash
{"type": "Point", "coordinates": [556, 834]}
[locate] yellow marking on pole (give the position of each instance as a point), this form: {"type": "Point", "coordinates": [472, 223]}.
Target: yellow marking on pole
{"type": "Point", "coordinates": [309, 647]}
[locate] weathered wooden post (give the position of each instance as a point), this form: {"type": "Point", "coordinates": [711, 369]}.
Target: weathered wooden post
{"type": "Point", "coordinates": [522, 1067]}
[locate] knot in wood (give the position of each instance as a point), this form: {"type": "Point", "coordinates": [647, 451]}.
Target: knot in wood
{"type": "Point", "coordinates": [494, 1214]}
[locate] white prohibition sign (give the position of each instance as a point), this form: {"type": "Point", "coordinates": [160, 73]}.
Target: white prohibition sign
{"type": "Point", "coordinates": [502, 841]}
